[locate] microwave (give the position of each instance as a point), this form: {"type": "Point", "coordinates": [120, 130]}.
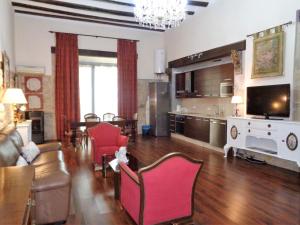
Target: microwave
{"type": "Point", "coordinates": [226, 89]}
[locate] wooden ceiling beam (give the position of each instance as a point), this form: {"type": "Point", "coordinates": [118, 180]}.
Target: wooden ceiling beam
{"type": "Point", "coordinates": [44, 9]}
{"type": "Point", "coordinates": [85, 7]}
{"type": "Point", "coordinates": [85, 20]}
{"type": "Point", "coordinates": [92, 8]}
{"type": "Point", "coordinates": [192, 3]}
{"type": "Point", "coordinates": [197, 3]}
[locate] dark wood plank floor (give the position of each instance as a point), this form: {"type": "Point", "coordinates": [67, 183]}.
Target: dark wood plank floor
{"type": "Point", "coordinates": [228, 191]}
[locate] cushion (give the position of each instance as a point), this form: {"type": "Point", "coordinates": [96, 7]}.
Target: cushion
{"type": "Point", "coordinates": [21, 161]}
{"type": "Point", "coordinates": [30, 151]}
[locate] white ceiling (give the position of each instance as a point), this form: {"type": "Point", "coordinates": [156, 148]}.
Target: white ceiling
{"type": "Point", "coordinates": [94, 11]}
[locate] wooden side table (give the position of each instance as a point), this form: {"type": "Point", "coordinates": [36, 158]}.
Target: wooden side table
{"type": "Point", "coordinates": [15, 194]}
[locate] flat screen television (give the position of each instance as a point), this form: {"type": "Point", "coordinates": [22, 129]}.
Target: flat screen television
{"type": "Point", "coordinates": [272, 100]}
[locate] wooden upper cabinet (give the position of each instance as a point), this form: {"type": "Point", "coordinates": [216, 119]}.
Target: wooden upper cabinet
{"type": "Point", "coordinates": [207, 81]}
{"type": "Point", "coordinates": [180, 85]}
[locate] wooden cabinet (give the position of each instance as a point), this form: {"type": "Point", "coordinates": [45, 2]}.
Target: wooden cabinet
{"type": "Point", "coordinates": [185, 85]}
{"type": "Point", "coordinates": [180, 85]}
{"type": "Point", "coordinates": [206, 82]}
{"type": "Point", "coordinates": [197, 128]}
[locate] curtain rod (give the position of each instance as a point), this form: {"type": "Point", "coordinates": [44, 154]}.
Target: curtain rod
{"type": "Point", "coordinates": [284, 24]}
{"type": "Point", "coordinates": [95, 36]}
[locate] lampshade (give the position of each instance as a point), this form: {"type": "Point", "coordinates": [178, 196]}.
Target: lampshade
{"type": "Point", "coordinates": [14, 96]}
{"type": "Point", "coordinates": [236, 99]}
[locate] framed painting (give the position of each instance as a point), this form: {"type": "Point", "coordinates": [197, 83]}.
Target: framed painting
{"type": "Point", "coordinates": [33, 84]}
{"type": "Point", "coordinates": [35, 101]}
{"type": "Point", "coordinates": [268, 56]}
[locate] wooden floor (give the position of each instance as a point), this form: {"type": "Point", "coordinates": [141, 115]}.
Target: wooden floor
{"type": "Point", "coordinates": [228, 191]}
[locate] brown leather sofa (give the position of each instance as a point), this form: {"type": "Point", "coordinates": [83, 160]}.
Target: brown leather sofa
{"type": "Point", "coordinates": [52, 184]}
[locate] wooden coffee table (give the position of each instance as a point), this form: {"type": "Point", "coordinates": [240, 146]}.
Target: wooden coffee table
{"type": "Point", "coordinates": [108, 161]}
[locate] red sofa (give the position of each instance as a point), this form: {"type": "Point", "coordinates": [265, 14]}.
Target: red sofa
{"type": "Point", "coordinates": [106, 139]}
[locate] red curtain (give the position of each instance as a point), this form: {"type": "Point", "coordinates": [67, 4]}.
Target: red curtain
{"type": "Point", "coordinates": [67, 105]}
{"type": "Point", "coordinates": [127, 78]}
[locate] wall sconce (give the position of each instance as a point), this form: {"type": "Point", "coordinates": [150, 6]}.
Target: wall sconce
{"type": "Point", "coordinates": [16, 97]}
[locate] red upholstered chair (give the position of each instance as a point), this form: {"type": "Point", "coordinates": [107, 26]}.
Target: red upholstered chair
{"type": "Point", "coordinates": [106, 139]}
{"type": "Point", "coordinates": [162, 192]}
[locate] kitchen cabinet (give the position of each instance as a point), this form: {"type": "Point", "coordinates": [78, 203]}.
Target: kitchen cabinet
{"type": "Point", "coordinates": [185, 85]}
{"type": "Point", "coordinates": [207, 80]}
{"type": "Point", "coordinates": [197, 128]}
{"type": "Point", "coordinates": [180, 85]}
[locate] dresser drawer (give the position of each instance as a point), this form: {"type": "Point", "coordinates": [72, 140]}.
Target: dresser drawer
{"type": "Point", "coordinates": [261, 133]}
{"type": "Point", "coordinates": [261, 125]}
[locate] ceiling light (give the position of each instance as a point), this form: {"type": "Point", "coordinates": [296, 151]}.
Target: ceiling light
{"type": "Point", "coordinates": [160, 14]}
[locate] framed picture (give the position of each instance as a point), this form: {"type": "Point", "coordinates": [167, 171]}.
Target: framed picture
{"type": "Point", "coordinates": [33, 84]}
{"type": "Point", "coordinates": [35, 101]}
{"type": "Point", "coordinates": [268, 56]}
{"type": "Point", "coordinates": [6, 71]}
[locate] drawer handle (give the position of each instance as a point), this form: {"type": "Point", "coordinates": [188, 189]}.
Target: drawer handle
{"type": "Point", "coordinates": [189, 118]}
{"type": "Point", "coordinates": [249, 123]}
{"type": "Point", "coordinates": [269, 125]}
{"type": "Point", "coordinates": [249, 131]}
{"type": "Point", "coordinates": [269, 133]}
{"type": "Point", "coordinates": [199, 119]}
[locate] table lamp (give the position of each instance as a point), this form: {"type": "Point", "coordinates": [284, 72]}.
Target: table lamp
{"type": "Point", "coordinates": [236, 100]}
{"type": "Point", "coordinates": [16, 97]}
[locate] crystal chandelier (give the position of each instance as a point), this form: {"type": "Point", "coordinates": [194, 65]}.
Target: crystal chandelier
{"type": "Point", "coordinates": [160, 14]}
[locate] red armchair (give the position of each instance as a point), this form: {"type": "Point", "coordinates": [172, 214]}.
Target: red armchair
{"type": "Point", "coordinates": [106, 139]}
{"type": "Point", "coordinates": [162, 192]}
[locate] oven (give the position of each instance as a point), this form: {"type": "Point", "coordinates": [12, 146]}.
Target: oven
{"type": "Point", "coordinates": [226, 89]}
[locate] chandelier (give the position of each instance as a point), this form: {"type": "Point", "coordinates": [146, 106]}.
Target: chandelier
{"type": "Point", "coordinates": [160, 14]}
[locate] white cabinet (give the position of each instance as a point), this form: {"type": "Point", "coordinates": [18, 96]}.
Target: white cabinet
{"type": "Point", "coordinates": [24, 128]}
{"type": "Point", "coordinates": [276, 138]}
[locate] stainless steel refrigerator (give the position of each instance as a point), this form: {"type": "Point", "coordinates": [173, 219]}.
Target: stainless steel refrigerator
{"type": "Point", "coordinates": [159, 107]}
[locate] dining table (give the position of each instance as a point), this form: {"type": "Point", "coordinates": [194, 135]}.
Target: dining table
{"type": "Point", "coordinates": [124, 124]}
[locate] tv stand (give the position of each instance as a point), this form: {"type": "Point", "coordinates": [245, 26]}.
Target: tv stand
{"type": "Point", "coordinates": [276, 138]}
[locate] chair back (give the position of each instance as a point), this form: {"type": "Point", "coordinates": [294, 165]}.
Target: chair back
{"type": "Point", "coordinates": [168, 188]}
{"type": "Point", "coordinates": [108, 116]}
{"type": "Point", "coordinates": [104, 134]}
{"type": "Point", "coordinates": [90, 115]}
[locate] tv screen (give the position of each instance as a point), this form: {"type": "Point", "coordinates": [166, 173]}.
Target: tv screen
{"type": "Point", "coordinates": [273, 100]}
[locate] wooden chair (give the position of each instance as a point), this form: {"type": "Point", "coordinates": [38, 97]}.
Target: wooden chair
{"type": "Point", "coordinates": [108, 116]}
{"type": "Point", "coordinates": [91, 120]}
{"type": "Point", "coordinates": [162, 192]}
{"type": "Point", "coordinates": [120, 122]}
{"type": "Point", "coordinates": [90, 115]}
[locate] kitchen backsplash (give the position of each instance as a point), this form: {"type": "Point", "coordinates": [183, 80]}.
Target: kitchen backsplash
{"type": "Point", "coordinates": [207, 106]}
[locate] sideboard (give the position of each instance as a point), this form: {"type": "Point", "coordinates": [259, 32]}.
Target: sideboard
{"type": "Point", "coordinates": [277, 138]}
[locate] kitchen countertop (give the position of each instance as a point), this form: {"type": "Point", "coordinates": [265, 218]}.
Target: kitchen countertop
{"type": "Point", "coordinates": [200, 115]}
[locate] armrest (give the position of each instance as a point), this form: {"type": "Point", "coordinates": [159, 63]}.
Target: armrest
{"type": "Point", "coordinates": [53, 146]}
{"type": "Point", "coordinates": [132, 175]}
{"type": "Point", "coordinates": [130, 192]}
{"type": "Point", "coordinates": [123, 140]}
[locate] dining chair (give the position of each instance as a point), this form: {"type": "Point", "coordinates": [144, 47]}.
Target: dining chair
{"type": "Point", "coordinates": [120, 122]}
{"type": "Point", "coordinates": [91, 120]}
{"type": "Point", "coordinates": [161, 193]}
{"type": "Point", "coordinates": [108, 116]}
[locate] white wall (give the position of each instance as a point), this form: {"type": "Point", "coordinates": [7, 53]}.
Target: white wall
{"type": "Point", "coordinates": [7, 31]}
{"type": "Point", "coordinates": [33, 41]}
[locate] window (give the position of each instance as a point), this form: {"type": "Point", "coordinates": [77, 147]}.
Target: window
{"type": "Point", "coordinates": [98, 83]}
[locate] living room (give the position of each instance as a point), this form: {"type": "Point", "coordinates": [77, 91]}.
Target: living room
{"type": "Point", "coordinates": [211, 70]}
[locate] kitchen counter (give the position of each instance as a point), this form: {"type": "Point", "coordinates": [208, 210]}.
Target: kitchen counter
{"type": "Point", "coordinates": [200, 115]}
